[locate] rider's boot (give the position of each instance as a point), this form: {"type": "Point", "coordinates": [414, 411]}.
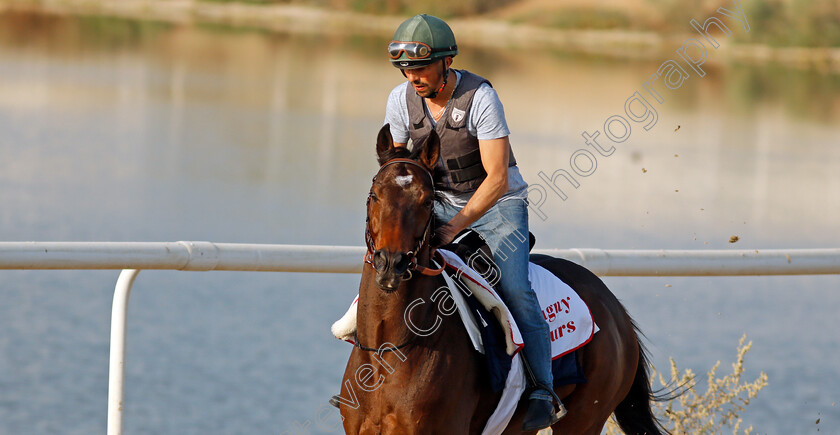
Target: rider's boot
{"type": "Point", "coordinates": [334, 401]}
{"type": "Point", "coordinates": [542, 414]}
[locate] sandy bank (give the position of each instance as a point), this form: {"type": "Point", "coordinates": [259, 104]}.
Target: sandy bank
{"type": "Point", "coordinates": [471, 32]}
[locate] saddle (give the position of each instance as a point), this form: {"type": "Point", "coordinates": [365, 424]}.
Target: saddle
{"type": "Point", "coordinates": [471, 247]}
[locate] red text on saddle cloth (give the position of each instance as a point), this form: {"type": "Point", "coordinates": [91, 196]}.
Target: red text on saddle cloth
{"type": "Point", "coordinates": [569, 320]}
{"type": "Point", "coordinates": [555, 310]}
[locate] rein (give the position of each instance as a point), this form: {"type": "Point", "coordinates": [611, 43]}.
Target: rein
{"type": "Point", "coordinates": [412, 255]}
{"type": "Point", "coordinates": [380, 350]}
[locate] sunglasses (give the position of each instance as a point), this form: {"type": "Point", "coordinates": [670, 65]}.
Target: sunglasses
{"type": "Point", "coordinates": [413, 50]}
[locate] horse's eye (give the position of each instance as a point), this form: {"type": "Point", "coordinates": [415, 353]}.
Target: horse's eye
{"type": "Point", "coordinates": [372, 197]}
{"type": "Point", "coordinates": [428, 204]}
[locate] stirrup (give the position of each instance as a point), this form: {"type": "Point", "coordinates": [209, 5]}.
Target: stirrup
{"type": "Point", "coordinates": [559, 409]}
{"type": "Point", "coordinates": [541, 414]}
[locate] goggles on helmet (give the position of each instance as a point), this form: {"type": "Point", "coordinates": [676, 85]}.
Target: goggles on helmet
{"type": "Point", "coordinates": [412, 50]}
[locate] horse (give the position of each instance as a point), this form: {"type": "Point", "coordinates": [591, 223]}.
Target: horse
{"type": "Point", "coordinates": [413, 369]}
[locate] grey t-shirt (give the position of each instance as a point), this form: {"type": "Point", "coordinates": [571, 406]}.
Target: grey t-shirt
{"type": "Point", "coordinates": [486, 121]}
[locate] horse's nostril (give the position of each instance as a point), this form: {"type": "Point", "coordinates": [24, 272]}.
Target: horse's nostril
{"type": "Point", "coordinates": [401, 262]}
{"type": "Point", "coordinates": [385, 262]}
{"type": "Point", "coordinates": [380, 260]}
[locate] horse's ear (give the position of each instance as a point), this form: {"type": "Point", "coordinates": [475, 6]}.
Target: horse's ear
{"type": "Point", "coordinates": [384, 142]}
{"type": "Point", "coordinates": [431, 151]}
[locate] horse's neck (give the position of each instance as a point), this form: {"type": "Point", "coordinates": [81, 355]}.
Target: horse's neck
{"type": "Point", "coordinates": [381, 316]}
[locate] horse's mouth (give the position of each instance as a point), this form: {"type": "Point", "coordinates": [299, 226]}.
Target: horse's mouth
{"type": "Point", "coordinates": [388, 284]}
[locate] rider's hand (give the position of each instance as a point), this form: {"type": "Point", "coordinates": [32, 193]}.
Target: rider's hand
{"type": "Point", "coordinates": [444, 234]}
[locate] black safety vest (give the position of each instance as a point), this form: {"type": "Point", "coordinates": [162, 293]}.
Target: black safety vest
{"type": "Point", "coordinates": [460, 156]}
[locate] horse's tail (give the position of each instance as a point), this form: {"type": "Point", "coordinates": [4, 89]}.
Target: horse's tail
{"type": "Point", "coordinates": [634, 414]}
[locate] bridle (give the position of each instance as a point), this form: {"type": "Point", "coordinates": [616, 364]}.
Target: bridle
{"type": "Point", "coordinates": [424, 239]}
{"type": "Point", "coordinates": [412, 255]}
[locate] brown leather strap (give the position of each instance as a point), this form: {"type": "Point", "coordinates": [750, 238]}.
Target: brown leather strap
{"type": "Point", "coordinates": [429, 271]}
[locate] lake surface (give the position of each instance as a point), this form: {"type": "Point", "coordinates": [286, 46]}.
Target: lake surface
{"type": "Point", "coordinates": [124, 131]}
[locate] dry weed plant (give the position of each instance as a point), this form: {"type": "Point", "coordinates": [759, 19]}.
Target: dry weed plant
{"type": "Point", "coordinates": [718, 408]}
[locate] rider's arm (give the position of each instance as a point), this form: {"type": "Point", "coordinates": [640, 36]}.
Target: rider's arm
{"type": "Point", "coordinates": [491, 129]}
{"type": "Point", "coordinates": [396, 114]}
{"type": "Point", "coordinates": [494, 158]}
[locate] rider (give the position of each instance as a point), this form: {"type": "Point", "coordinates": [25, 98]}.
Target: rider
{"type": "Point", "coordinates": [483, 188]}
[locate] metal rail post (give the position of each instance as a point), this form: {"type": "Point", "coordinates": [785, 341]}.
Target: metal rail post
{"type": "Point", "coordinates": [116, 368]}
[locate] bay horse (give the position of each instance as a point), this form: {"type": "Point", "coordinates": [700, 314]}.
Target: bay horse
{"type": "Point", "coordinates": [413, 369]}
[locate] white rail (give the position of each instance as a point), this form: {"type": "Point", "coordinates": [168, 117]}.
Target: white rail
{"type": "Point", "coordinates": [196, 256]}
{"type": "Point", "coordinates": [116, 364]}
{"type": "Point", "coordinates": [204, 256]}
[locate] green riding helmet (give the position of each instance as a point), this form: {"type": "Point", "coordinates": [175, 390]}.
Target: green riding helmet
{"type": "Point", "coordinates": [421, 40]}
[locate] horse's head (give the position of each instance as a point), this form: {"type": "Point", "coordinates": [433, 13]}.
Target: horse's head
{"type": "Point", "coordinates": [400, 208]}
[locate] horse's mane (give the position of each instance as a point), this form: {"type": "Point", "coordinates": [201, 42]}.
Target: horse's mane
{"type": "Point", "coordinates": [397, 153]}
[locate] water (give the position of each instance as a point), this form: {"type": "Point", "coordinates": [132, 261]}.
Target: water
{"type": "Point", "coordinates": [121, 131]}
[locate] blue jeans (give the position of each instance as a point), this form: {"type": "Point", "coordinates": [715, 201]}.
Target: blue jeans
{"type": "Point", "coordinates": [505, 227]}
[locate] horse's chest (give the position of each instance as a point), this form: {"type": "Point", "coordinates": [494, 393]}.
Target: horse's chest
{"type": "Point", "coordinates": [430, 391]}
{"type": "Point", "coordinates": [390, 425]}
{"type": "Point", "coordinates": [406, 406]}
{"type": "Point", "coordinates": [400, 423]}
